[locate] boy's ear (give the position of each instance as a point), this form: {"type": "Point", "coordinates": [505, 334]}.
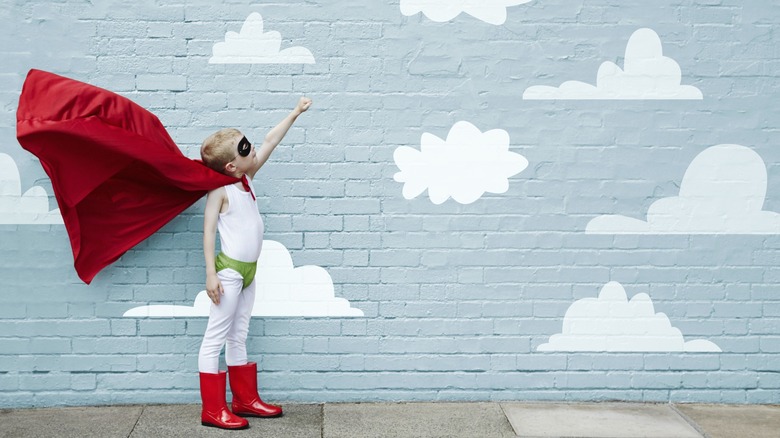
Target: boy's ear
{"type": "Point", "coordinates": [230, 167]}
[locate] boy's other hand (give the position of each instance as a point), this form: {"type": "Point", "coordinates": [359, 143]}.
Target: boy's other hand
{"type": "Point", "coordinates": [214, 288]}
{"type": "Point", "coordinates": [303, 104]}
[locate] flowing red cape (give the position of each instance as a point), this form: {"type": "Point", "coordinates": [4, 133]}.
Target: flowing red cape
{"type": "Point", "coordinates": [116, 173]}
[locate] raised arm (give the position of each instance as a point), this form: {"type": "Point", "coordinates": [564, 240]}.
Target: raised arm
{"type": "Point", "coordinates": [275, 135]}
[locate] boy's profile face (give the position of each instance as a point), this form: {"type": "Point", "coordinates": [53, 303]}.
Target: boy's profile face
{"type": "Point", "coordinates": [244, 150]}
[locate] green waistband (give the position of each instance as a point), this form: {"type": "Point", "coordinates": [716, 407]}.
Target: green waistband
{"type": "Point", "coordinates": [246, 269]}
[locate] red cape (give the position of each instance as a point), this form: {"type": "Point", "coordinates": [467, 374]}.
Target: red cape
{"type": "Point", "coordinates": [117, 175]}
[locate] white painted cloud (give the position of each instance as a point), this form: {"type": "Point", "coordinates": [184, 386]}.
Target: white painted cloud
{"type": "Point", "coordinates": [253, 46]}
{"type": "Point", "coordinates": [282, 291]}
{"type": "Point", "coordinates": [613, 323]}
{"type": "Point", "coordinates": [722, 192]}
{"type": "Point", "coordinates": [489, 11]}
{"type": "Point", "coordinates": [32, 207]}
{"type": "Point", "coordinates": [647, 74]}
{"type": "Point", "coordinates": [464, 167]}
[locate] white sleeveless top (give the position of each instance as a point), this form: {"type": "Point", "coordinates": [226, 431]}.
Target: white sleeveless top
{"type": "Point", "coordinates": [241, 227]}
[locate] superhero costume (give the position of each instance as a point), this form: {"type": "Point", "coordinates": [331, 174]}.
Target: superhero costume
{"type": "Point", "coordinates": [117, 175]}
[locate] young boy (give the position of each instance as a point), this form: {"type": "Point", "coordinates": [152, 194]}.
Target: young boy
{"type": "Point", "coordinates": [230, 283]}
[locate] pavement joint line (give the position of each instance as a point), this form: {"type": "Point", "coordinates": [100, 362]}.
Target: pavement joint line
{"type": "Point", "coordinates": [690, 421]}
{"type": "Point", "coordinates": [506, 417]}
{"type": "Point", "coordinates": [143, 408]}
{"type": "Point", "coordinates": [322, 420]}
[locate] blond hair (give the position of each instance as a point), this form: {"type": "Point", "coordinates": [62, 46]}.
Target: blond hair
{"type": "Point", "coordinates": [218, 149]}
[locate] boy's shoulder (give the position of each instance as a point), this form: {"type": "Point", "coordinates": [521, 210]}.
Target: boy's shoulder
{"type": "Point", "coordinates": [219, 191]}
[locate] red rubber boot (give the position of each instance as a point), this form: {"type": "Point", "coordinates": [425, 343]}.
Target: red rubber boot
{"type": "Point", "coordinates": [246, 401]}
{"type": "Point", "coordinates": [215, 412]}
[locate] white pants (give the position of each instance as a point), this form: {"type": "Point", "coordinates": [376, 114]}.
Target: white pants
{"type": "Point", "coordinates": [228, 323]}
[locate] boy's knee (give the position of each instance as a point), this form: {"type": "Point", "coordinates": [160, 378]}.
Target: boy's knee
{"type": "Point", "coordinates": [235, 340]}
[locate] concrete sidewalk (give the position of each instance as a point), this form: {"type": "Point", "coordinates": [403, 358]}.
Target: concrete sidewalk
{"type": "Point", "coordinates": [443, 419]}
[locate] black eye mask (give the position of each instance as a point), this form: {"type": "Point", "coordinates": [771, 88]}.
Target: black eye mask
{"type": "Point", "coordinates": [244, 147]}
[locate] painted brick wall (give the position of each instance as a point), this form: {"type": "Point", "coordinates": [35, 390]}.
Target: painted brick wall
{"type": "Point", "coordinates": [457, 297]}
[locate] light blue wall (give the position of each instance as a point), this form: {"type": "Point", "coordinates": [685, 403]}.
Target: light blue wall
{"type": "Point", "coordinates": [456, 297]}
